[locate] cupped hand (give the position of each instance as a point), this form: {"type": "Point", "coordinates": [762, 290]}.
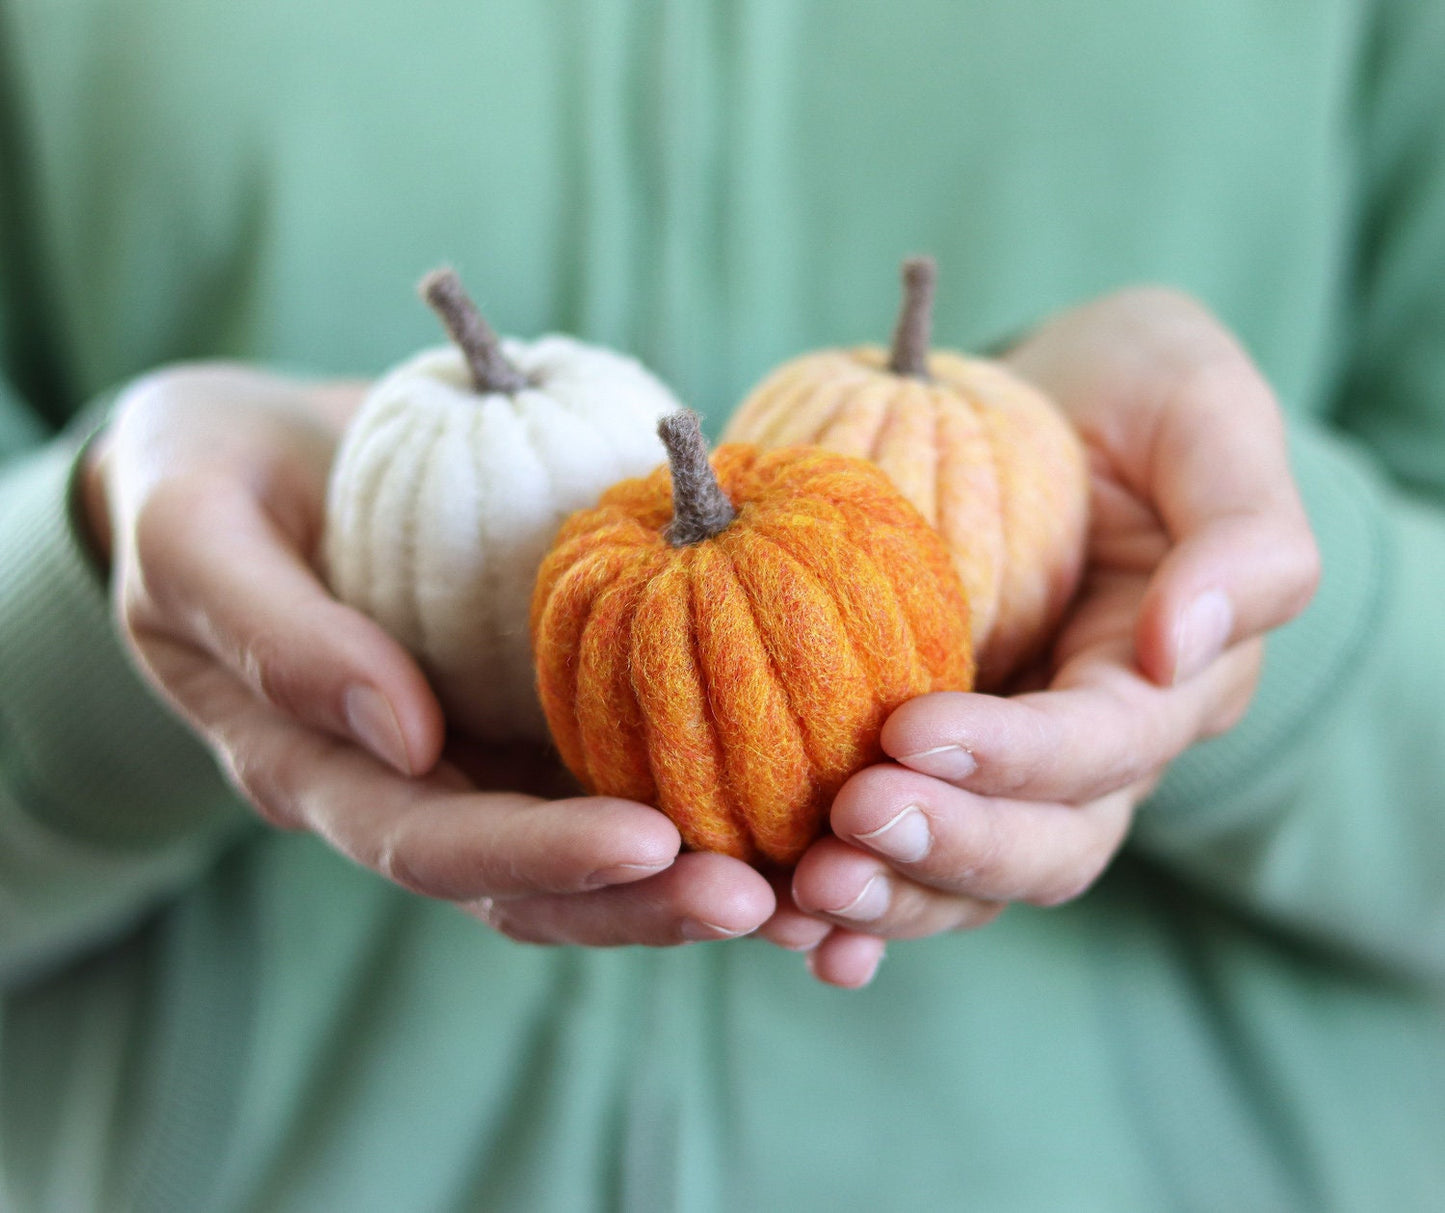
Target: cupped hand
{"type": "Point", "coordinates": [1198, 546]}
{"type": "Point", "coordinates": [207, 495]}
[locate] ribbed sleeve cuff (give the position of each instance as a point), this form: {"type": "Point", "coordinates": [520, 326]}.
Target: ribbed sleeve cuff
{"type": "Point", "coordinates": [85, 746]}
{"type": "Point", "coordinates": [1309, 662]}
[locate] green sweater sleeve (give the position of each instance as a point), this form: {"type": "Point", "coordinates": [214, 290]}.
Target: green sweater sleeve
{"type": "Point", "coordinates": [1325, 810]}
{"type": "Point", "coordinates": [106, 802]}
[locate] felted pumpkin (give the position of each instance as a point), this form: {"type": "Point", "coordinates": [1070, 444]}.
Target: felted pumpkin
{"type": "Point", "coordinates": [724, 640]}
{"type": "Point", "coordinates": [452, 479]}
{"type": "Point", "coordinates": [981, 453]}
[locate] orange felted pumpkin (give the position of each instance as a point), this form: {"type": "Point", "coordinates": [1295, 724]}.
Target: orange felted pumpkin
{"type": "Point", "coordinates": [725, 640]}
{"type": "Point", "coordinates": [985, 457]}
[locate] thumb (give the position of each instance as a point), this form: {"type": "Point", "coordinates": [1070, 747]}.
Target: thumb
{"type": "Point", "coordinates": [1242, 559]}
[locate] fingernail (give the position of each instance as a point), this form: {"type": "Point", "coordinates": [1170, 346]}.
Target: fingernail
{"type": "Point", "coordinates": [373, 723]}
{"type": "Point", "coordinates": [905, 838]}
{"type": "Point", "coordinates": [870, 903]}
{"type": "Point", "coordinates": [1202, 633]}
{"type": "Point", "coordinates": [951, 762]}
{"type": "Point", "coordinates": [624, 873]}
{"type": "Point", "coordinates": [700, 931]}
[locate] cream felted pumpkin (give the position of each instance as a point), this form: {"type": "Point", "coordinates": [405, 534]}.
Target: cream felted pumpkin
{"type": "Point", "coordinates": [450, 483]}
{"type": "Point", "coordinates": [983, 455]}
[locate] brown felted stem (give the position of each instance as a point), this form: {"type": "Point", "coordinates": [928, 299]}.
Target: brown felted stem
{"type": "Point", "coordinates": [700, 509]}
{"type": "Point", "coordinates": [915, 320]}
{"type": "Point", "coordinates": [490, 369]}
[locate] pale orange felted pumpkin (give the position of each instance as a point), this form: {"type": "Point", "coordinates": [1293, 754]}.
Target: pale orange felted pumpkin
{"type": "Point", "coordinates": [983, 455]}
{"type": "Point", "coordinates": [725, 640]}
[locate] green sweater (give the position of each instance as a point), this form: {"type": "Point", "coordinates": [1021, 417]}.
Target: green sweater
{"type": "Point", "coordinates": [197, 1013]}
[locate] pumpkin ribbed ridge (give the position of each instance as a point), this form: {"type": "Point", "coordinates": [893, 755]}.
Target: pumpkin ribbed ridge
{"type": "Point", "coordinates": [394, 509]}
{"type": "Point", "coordinates": [572, 602]}
{"type": "Point", "coordinates": [860, 422]}
{"type": "Point", "coordinates": [350, 550]}
{"type": "Point", "coordinates": [905, 448]}
{"type": "Point", "coordinates": [609, 717]}
{"type": "Point", "coordinates": [792, 383]}
{"type": "Point", "coordinates": [806, 411]}
{"type": "Point", "coordinates": [756, 667]}
{"type": "Point", "coordinates": [682, 746]}
{"type": "Point", "coordinates": [972, 506]}
{"type": "Point", "coordinates": [875, 624]}
{"type": "Point", "coordinates": [803, 630]}
{"type": "Point", "coordinates": [1043, 494]}
{"type": "Point", "coordinates": [980, 454]}
{"type": "Point", "coordinates": [443, 500]}
{"type": "Point", "coordinates": [757, 725]}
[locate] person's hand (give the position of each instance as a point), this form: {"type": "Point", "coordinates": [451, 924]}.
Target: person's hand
{"type": "Point", "coordinates": [207, 495]}
{"type": "Point", "coordinates": [1198, 545]}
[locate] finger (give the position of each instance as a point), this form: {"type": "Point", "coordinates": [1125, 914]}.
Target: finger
{"type": "Point", "coordinates": [846, 959]}
{"type": "Point", "coordinates": [959, 843]}
{"type": "Point", "coordinates": [1244, 559]}
{"type": "Point", "coordinates": [1231, 580]}
{"type": "Point", "coordinates": [424, 834]}
{"type": "Point", "coordinates": [1103, 729]}
{"type": "Point", "coordinates": [853, 889]}
{"type": "Point", "coordinates": [216, 568]}
{"type": "Point", "coordinates": [789, 927]}
{"type": "Point", "coordinates": [1182, 417]}
{"type": "Point", "coordinates": [700, 898]}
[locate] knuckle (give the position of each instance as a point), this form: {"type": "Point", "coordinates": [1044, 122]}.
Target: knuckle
{"type": "Point", "coordinates": [264, 783]}
{"type": "Point", "coordinates": [486, 912]}
{"type": "Point", "coordinates": [980, 914]}
{"type": "Point", "coordinates": [1035, 737]}
{"type": "Point", "coordinates": [266, 663]}
{"type": "Point", "coordinates": [1042, 732]}
{"type": "Point", "coordinates": [1225, 719]}
{"type": "Point", "coordinates": [408, 854]}
{"type": "Point", "coordinates": [1141, 733]}
{"type": "Point", "coordinates": [1063, 888]}
{"type": "Point", "coordinates": [1130, 765]}
{"type": "Point", "coordinates": [165, 520]}
{"type": "Point", "coordinates": [394, 860]}
{"type": "Point", "coordinates": [985, 857]}
{"type": "Point", "coordinates": [1074, 879]}
{"type": "Point", "coordinates": [519, 927]}
{"type": "Point", "coordinates": [1165, 307]}
{"type": "Point", "coordinates": [867, 788]}
{"type": "Point", "coordinates": [156, 390]}
{"type": "Point", "coordinates": [1223, 378]}
{"type": "Point", "coordinates": [1077, 871]}
{"type": "Point", "coordinates": [1187, 360]}
{"type": "Point", "coordinates": [1306, 569]}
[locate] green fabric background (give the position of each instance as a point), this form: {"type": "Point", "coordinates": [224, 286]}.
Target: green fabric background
{"type": "Point", "coordinates": [1244, 1014]}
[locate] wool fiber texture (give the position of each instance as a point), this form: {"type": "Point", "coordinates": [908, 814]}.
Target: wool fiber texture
{"type": "Point", "coordinates": [981, 454]}
{"type": "Point", "coordinates": [737, 682]}
{"type": "Point", "coordinates": [443, 501]}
